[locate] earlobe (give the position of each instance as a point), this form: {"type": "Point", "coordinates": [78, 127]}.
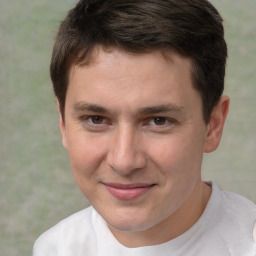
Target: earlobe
{"type": "Point", "coordinates": [62, 126]}
{"type": "Point", "coordinates": [216, 124]}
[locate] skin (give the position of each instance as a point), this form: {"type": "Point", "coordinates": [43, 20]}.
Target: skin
{"type": "Point", "coordinates": [135, 135]}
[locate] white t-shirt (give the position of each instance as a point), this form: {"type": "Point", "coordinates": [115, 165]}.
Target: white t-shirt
{"type": "Point", "coordinates": [226, 228]}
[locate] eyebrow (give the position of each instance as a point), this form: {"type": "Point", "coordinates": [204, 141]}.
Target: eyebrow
{"type": "Point", "coordinates": [84, 106]}
{"type": "Point", "coordinates": [169, 108]}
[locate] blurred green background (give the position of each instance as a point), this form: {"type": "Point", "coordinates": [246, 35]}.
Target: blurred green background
{"type": "Point", "coordinates": [36, 186]}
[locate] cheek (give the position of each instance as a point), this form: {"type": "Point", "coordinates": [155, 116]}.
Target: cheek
{"type": "Point", "coordinates": [179, 162]}
{"type": "Point", "coordinates": [85, 160]}
{"type": "Point", "coordinates": [85, 155]}
{"type": "Point", "coordinates": [178, 156]}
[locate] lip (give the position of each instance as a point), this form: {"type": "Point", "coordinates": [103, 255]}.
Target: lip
{"type": "Point", "coordinates": [128, 191]}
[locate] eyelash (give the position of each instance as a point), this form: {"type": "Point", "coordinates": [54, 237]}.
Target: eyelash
{"type": "Point", "coordinates": [87, 122]}
{"type": "Point", "coordinates": [161, 119]}
{"type": "Point", "coordinates": [88, 119]}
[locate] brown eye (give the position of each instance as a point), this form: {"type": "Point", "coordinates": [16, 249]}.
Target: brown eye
{"type": "Point", "coordinates": [159, 120]}
{"type": "Point", "coordinates": [97, 119]}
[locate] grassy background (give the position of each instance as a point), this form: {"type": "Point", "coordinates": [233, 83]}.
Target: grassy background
{"type": "Point", "coordinates": [36, 186]}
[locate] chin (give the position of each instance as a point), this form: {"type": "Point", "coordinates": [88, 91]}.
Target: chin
{"type": "Point", "coordinates": [130, 223]}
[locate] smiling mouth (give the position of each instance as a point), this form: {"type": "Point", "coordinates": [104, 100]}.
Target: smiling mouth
{"type": "Point", "coordinates": [128, 191]}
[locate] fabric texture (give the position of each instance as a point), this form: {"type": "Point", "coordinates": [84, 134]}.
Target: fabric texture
{"type": "Point", "coordinates": [226, 228]}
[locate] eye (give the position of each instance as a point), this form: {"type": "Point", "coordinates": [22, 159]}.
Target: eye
{"type": "Point", "coordinates": [160, 124]}
{"type": "Point", "coordinates": [159, 120]}
{"type": "Point", "coordinates": [95, 123]}
{"type": "Point", "coordinates": [96, 119]}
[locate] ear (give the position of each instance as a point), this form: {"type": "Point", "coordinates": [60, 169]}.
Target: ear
{"type": "Point", "coordinates": [216, 124]}
{"type": "Point", "coordinates": [62, 126]}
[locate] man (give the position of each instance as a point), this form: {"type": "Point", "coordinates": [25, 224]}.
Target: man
{"type": "Point", "coordinates": [139, 90]}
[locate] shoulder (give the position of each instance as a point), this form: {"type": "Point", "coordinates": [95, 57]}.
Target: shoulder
{"type": "Point", "coordinates": [69, 233]}
{"type": "Point", "coordinates": [234, 205]}
{"type": "Point", "coordinates": [235, 198]}
{"type": "Point", "coordinates": [238, 207]}
{"type": "Point", "coordinates": [236, 223]}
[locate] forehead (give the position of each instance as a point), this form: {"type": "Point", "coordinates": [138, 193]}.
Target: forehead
{"type": "Point", "coordinates": [125, 64]}
{"type": "Point", "coordinates": [107, 55]}
{"type": "Point", "coordinates": [116, 78]}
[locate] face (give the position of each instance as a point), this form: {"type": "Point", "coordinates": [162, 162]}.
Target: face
{"type": "Point", "coordinates": [135, 135]}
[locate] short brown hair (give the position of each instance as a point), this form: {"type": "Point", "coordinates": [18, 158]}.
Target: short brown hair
{"type": "Point", "coordinates": [192, 28]}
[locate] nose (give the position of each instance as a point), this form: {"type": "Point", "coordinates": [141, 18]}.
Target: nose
{"type": "Point", "coordinates": [126, 154]}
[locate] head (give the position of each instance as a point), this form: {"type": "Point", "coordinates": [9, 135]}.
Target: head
{"type": "Point", "coordinates": [191, 28]}
{"type": "Point", "coordinates": [139, 87]}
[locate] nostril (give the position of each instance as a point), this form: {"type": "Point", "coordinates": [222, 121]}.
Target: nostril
{"type": "Point", "coordinates": [128, 165]}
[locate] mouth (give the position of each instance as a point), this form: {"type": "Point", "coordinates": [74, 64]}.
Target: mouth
{"type": "Point", "coordinates": [128, 191]}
